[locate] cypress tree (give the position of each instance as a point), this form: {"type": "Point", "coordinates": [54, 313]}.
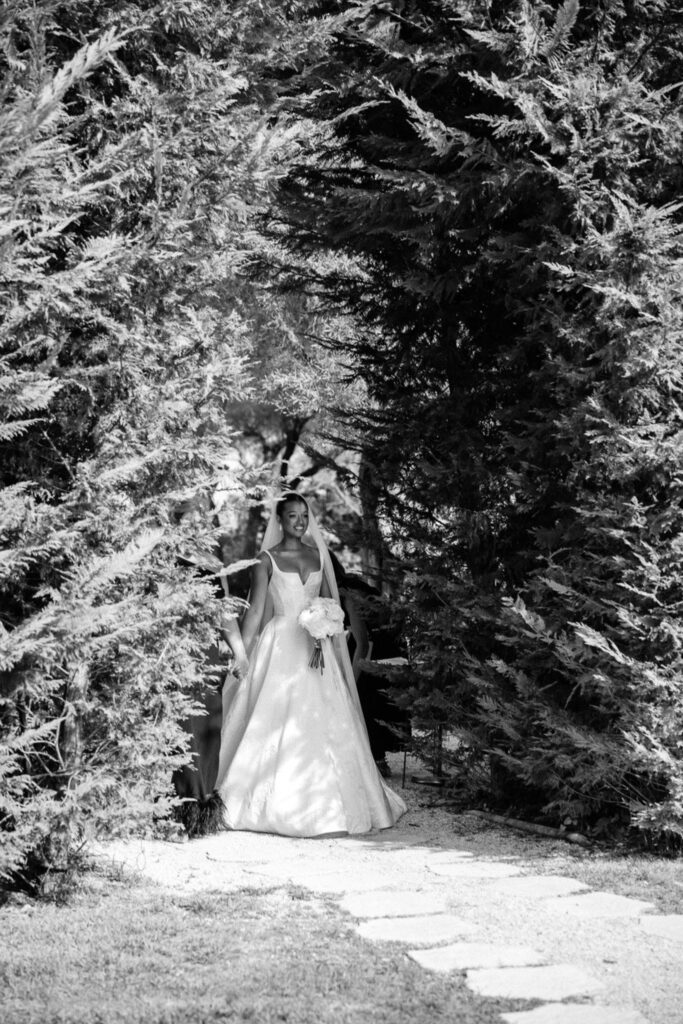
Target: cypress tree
{"type": "Point", "coordinates": [129, 161]}
{"type": "Point", "coordinates": [503, 183]}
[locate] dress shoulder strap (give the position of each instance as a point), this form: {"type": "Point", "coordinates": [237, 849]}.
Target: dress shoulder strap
{"type": "Point", "coordinates": [272, 560]}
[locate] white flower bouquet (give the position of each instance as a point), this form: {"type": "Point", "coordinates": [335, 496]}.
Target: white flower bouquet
{"type": "Point", "coordinates": [323, 617]}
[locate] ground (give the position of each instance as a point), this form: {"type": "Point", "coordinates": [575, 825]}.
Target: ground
{"type": "Point", "coordinates": [422, 923]}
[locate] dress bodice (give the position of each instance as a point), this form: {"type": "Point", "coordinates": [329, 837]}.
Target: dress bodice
{"type": "Point", "coordinates": [289, 593]}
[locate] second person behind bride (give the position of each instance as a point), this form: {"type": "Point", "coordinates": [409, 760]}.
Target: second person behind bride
{"type": "Point", "coordinates": [295, 757]}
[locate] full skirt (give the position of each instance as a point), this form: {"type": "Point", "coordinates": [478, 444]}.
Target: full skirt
{"type": "Point", "coordinates": [295, 758]}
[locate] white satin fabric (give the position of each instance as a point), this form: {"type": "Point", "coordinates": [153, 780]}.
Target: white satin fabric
{"type": "Point", "coordinates": [295, 758]}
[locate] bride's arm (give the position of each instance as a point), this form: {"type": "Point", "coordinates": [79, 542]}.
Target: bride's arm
{"type": "Point", "coordinates": [230, 631]}
{"type": "Point", "coordinates": [259, 589]}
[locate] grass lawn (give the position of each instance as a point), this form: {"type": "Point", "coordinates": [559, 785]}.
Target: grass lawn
{"type": "Point", "coordinates": [640, 876]}
{"type": "Point", "coordinates": [643, 876]}
{"type": "Point", "coordinates": [124, 952]}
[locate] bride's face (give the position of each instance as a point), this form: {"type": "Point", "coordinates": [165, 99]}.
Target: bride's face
{"type": "Point", "coordinates": [294, 519]}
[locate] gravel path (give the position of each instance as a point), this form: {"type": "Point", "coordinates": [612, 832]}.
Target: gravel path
{"type": "Point", "coordinates": [460, 895]}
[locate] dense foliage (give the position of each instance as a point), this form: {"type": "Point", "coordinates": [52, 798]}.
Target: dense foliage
{"type": "Point", "coordinates": [506, 179]}
{"type": "Point", "coordinates": [479, 203]}
{"type": "Point", "coordinates": [130, 158]}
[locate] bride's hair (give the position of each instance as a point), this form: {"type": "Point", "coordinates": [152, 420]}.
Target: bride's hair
{"type": "Point", "coordinates": [285, 499]}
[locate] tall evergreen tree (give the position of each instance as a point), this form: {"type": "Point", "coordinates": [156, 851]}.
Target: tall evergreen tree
{"type": "Point", "coordinates": [132, 154]}
{"type": "Point", "coordinates": [506, 180]}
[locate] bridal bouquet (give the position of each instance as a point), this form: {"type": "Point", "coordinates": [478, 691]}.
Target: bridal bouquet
{"type": "Point", "coordinates": [323, 617]}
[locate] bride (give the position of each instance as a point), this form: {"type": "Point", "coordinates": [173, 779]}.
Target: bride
{"type": "Point", "coordinates": [295, 757]}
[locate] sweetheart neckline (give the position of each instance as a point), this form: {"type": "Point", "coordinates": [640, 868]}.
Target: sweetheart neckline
{"type": "Point", "coordinates": [295, 573]}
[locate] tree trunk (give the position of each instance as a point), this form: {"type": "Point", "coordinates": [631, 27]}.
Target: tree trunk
{"type": "Point", "coordinates": [294, 430]}
{"type": "Point", "coordinates": [70, 744]}
{"type": "Point", "coordinates": [61, 843]}
{"type": "Point", "coordinates": [372, 542]}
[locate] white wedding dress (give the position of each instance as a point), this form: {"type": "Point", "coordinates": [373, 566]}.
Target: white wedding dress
{"type": "Point", "coordinates": [295, 758]}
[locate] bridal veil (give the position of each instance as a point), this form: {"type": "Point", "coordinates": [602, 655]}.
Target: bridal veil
{"type": "Point", "coordinates": [273, 536]}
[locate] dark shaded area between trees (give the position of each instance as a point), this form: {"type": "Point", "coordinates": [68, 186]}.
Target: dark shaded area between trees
{"type": "Point", "coordinates": [420, 259]}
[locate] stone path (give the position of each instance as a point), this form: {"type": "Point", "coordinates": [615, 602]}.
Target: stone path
{"type": "Point", "coordinates": [588, 957]}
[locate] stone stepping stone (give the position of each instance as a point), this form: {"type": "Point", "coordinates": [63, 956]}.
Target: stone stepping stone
{"type": "Point", "coordinates": [537, 886]}
{"type": "Point", "coordinates": [366, 842]}
{"type": "Point", "coordinates": [557, 982]}
{"type": "Point", "coordinates": [669, 926]}
{"type": "Point", "coordinates": [415, 930]}
{"type": "Point", "coordinates": [448, 856]}
{"type": "Point", "coordinates": [599, 904]}
{"type": "Point", "coordinates": [461, 955]}
{"type": "Point", "coordinates": [340, 883]}
{"type": "Point", "coordinates": [392, 904]}
{"type": "Point", "coordinates": [321, 880]}
{"type": "Point", "coordinates": [567, 1013]}
{"type": "Point", "coordinates": [476, 869]}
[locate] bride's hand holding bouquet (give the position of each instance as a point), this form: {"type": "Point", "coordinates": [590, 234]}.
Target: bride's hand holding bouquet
{"type": "Point", "coordinates": [322, 618]}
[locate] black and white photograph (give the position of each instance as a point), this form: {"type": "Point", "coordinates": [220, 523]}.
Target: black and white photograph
{"type": "Point", "coordinates": [341, 511]}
